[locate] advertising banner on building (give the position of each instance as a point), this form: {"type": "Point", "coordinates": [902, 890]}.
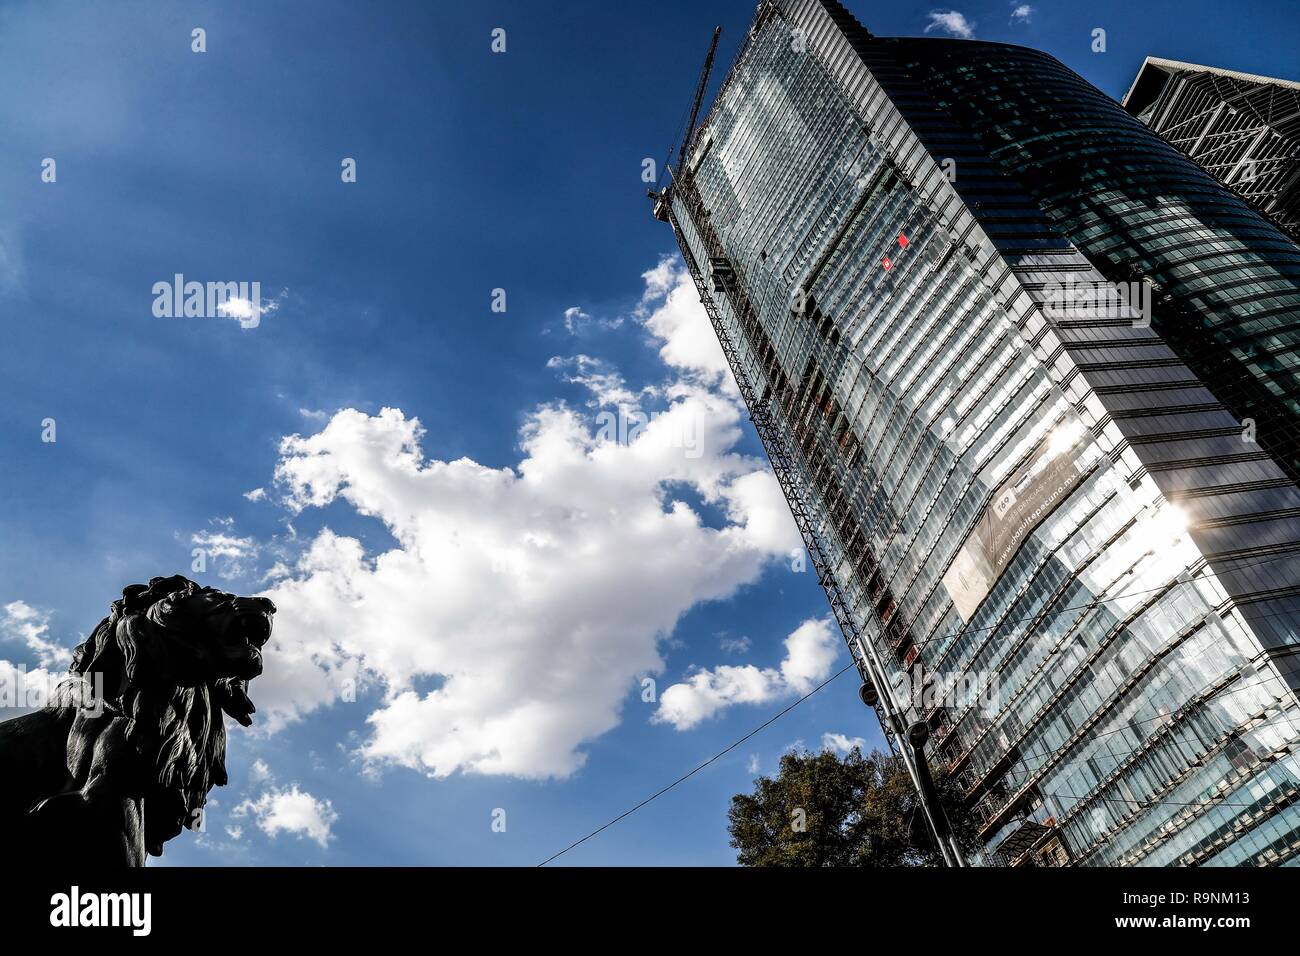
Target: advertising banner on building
{"type": "Point", "coordinates": [1027, 496]}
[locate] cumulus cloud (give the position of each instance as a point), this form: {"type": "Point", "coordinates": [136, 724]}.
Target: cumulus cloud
{"type": "Point", "coordinates": [1021, 12]}
{"type": "Point", "coordinates": [951, 22]}
{"type": "Point", "coordinates": [20, 621]}
{"type": "Point", "coordinates": [538, 594]}
{"type": "Point", "coordinates": [288, 810]}
{"type": "Point", "coordinates": [532, 598]}
{"type": "Point", "coordinates": [219, 545]}
{"type": "Point", "coordinates": [670, 309]}
{"type": "Point", "coordinates": [573, 316]}
{"type": "Point", "coordinates": [519, 607]}
{"type": "Point", "coordinates": [810, 651]}
{"type": "Point", "coordinates": [841, 743]}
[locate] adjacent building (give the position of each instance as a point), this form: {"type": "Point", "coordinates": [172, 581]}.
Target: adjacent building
{"type": "Point", "coordinates": [1028, 377]}
{"type": "Point", "coordinates": [1244, 129]}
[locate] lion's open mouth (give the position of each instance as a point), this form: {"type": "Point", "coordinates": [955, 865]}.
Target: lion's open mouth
{"type": "Point", "coordinates": [257, 628]}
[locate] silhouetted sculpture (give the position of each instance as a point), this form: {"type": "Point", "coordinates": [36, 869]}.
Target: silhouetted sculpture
{"type": "Point", "coordinates": [124, 754]}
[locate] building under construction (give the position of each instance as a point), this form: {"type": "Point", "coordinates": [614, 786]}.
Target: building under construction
{"type": "Point", "coordinates": [1020, 370]}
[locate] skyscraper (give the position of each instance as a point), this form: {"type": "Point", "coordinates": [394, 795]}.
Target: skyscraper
{"type": "Point", "coordinates": [1019, 367]}
{"type": "Point", "coordinates": [1244, 129]}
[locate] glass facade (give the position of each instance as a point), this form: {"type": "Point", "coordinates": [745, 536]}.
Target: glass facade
{"type": "Point", "coordinates": [1227, 280]}
{"type": "Point", "coordinates": [1058, 547]}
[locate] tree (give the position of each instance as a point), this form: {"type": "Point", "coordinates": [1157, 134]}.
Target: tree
{"type": "Point", "coordinates": [824, 810]}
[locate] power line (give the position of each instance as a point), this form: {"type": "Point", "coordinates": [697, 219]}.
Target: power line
{"type": "Point", "coordinates": [682, 779]}
{"type": "Point", "coordinates": [771, 720]}
{"type": "Point", "coordinates": [763, 726]}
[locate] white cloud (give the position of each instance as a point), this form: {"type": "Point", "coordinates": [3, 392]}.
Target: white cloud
{"type": "Point", "coordinates": [232, 554]}
{"type": "Point", "coordinates": [573, 317]}
{"type": "Point", "coordinates": [249, 312]}
{"type": "Point", "coordinates": [753, 765]}
{"type": "Point", "coordinates": [952, 23]}
{"type": "Point", "coordinates": [22, 622]}
{"type": "Point", "coordinates": [606, 385]}
{"type": "Point", "coordinates": [219, 545]}
{"type": "Point", "coordinates": [235, 832]}
{"type": "Point", "coordinates": [537, 596]}
{"type": "Point", "coordinates": [809, 653]}
{"type": "Point", "coordinates": [841, 743]}
{"type": "Point", "coordinates": [538, 593]}
{"type": "Point", "coordinates": [24, 689]}
{"type": "Point", "coordinates": [289, 810]}
{"type": "Point", "coordinates": [671, 311]}
{"type": "Point", "coordinates": [734, 645]}
{"type": "Point", "coordinates": [1021, 12]}
{"type": "Point", "coordinates": [532, 599]}
{"type": "Point", "coordinates": [577, 321]}
{"type": "Point", "coordinates": [259, 772]}
{"type": "Point", "coordinates": [277, 571]}
{"type": "Point", "coordinates": [257, 494]}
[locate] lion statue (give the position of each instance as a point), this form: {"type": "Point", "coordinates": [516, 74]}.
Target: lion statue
{"type": "Point", "coordinates": [123, 756]}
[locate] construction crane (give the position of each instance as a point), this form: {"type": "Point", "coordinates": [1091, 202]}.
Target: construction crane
{"type": "Point", "coordinates": [661, 198]}
{"type": "Point", "coordinates": [699, 96]}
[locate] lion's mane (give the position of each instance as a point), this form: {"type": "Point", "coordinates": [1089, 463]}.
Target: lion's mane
{"type": "Point", "coordinates": [175, 724]}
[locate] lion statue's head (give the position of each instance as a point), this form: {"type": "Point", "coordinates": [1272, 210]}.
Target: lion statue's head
{"type": "Point", "coordinates": [171, 658]}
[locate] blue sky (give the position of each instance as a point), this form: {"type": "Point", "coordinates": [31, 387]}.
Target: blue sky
{"type": "Point", "coordinates": [475, 171]}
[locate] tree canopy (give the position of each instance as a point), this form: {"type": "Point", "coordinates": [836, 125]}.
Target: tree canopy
{"type": "Point", "coordinates": [822, 809]}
